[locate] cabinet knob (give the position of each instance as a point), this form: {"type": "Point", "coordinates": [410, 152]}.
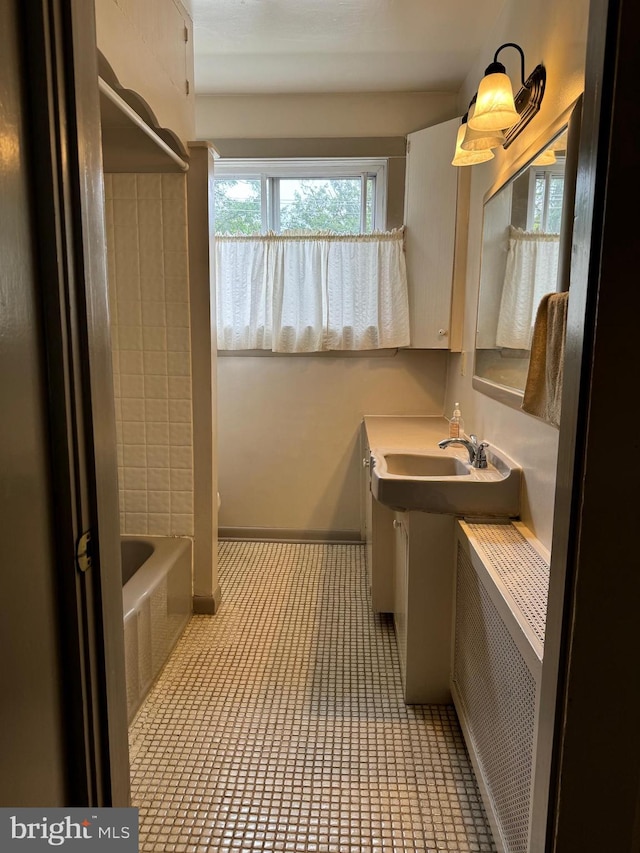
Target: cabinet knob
{"type": "Point", "coordinates": [396, 524]}
{"type": "Point", "coordinates": [443, 332]}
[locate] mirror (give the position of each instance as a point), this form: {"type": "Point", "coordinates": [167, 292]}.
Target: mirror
{"type": "Point", "coordinates": [526, 244]}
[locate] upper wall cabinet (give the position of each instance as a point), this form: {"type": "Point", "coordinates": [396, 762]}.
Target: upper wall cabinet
{"type": "Point", "coordinates": [430, 227]}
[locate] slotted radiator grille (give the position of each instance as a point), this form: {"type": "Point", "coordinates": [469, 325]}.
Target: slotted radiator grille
{"type": "Point", "coordinates": [498, 696]}
{"type": "Point", "coordinates": [522, 571]}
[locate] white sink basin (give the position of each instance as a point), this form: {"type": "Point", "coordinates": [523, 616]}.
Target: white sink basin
{"type": "Point", "coordinates": [425, 465]}
{"type": "Point", "coordinates": [443, 481]}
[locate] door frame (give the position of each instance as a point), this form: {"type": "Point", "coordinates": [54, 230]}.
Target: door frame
{"type": "Point", "coordinates": [65, 156]}
{"type": "Point", "coordinates": [588, 771]}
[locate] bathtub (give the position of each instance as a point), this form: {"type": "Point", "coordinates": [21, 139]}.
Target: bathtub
{"type": "Point", "coordinates": [157, 604]}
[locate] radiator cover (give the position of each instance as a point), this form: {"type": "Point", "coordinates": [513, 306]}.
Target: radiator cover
{"type": "Point", "coordinates": [496, 669]}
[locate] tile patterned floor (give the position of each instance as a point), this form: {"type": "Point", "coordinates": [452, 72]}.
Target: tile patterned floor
{"type": "Point", "coordinates": [279, 724]}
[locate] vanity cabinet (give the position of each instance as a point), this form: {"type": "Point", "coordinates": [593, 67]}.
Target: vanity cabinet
{"type": "Point", "coordinates": [423, 603]}
{"type": "Point", "coordinates": [431, 192]}
{"type": "Point", "coordinates": [378, 534]}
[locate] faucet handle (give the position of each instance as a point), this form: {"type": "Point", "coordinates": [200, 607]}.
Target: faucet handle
{"type": "Point", "coordinates": [473, 439]}
{"type": "Point", "coordinates": [480, 460]}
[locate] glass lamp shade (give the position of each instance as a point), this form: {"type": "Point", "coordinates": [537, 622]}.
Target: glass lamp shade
{"type": "Point", "coordinates": [468, 158]}
{"type": "Point", "coordinates": [477, 140]}
{"type": "Point", "coordinates": [547, 158]}
{"type": "Point", "coordinates": [495, 109]}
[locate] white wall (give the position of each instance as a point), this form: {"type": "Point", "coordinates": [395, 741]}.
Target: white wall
{"type": "Point", "coordinates": [289, 432]}
{"type": "Point", "coordinates": [289, 453]}
{"type": "Point", "coordinates": [143, 42]}
{"type": "Point", "coordinates": [553, 32]}
{"type": "Point", "coordinates": [314, 116]}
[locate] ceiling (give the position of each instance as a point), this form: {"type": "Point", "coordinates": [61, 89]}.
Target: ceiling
{"type": "Point", "coordinates": [294, 46]}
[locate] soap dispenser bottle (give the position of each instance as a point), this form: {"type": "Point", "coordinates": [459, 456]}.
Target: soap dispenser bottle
{"type": "Point", "coordinates": [456, 424]}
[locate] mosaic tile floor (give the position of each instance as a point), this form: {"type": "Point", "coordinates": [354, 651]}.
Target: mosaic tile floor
{"type": "Point", "coordinates": [279, 724]}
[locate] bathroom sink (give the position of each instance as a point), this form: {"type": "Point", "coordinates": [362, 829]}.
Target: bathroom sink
{"type": "Point", "coordinates": [443, 481]}
{"type": "Point", "coordinates": [424, 465]}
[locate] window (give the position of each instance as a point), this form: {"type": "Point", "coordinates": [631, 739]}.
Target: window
{"type": "Point", "coordinates": [262, 196]}
{"type": "Point", "coordinates": [545, 202]}
{"type": "Point", "coordinates": [303, 263]}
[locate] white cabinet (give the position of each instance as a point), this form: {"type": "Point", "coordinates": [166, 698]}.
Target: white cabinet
{"type": "Point", "coordinates": [423, 600]}
{"type": "Point", "coordinates": [430, 233]}
{"type": "Point", "coordinates": [378, 526]}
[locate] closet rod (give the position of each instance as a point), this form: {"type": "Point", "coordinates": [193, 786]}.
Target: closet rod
{"type": "Point", "coordinates": [124, 107]}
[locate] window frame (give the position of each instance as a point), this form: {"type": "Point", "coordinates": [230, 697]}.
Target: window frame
{"type": "Point", "coordinates": [269, 171]}
{"type": "Point", "coordinates": [546, 173]}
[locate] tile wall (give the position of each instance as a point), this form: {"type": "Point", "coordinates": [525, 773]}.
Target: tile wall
{"type": "Point", "coordinates": [146, 219]}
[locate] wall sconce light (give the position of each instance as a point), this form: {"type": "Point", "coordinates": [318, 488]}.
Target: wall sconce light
{"type": "Point", "coordinates": [495, 117]}
{"type": "Point", "coordinates": [469, 157]}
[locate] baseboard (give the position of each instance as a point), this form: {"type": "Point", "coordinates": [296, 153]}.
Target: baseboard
{"type": "Point", "coordinates": [285, 534]}
{"type": "Point", "coordinates": [207, 605]}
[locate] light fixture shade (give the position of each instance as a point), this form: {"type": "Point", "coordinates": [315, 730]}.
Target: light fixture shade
{"type": "Point", "coordinates": [477, 140]}
{"type": "Point", "coordinates": [495, 108]}
{"type": "Point", "coordinates": [547, 158]}
{"type": "Point", "coordinates": [468, 158]}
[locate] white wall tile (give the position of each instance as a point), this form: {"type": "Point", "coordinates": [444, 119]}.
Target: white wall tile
{"type": "Point", "coordinates": [159, 524]}
{"type": "Point", "coordinates": [132, 385]}
{"type": "Point", "coordinates": [156, 387]}
{"type": "Point", "coordinates": [149, 186]}
{"type": "Point", "coordinates": [154, 313]}
{"type": "Point", "coordinates": [181, 502]}
{"type": "Point", "coordinates": [155, 364]}
{"type": "Point", "coordinates": [180, 411]}
{"type": "Point", "coordinates": [180, 435]}
{"type": "Point", "coordinates": [129, 312]}
{"type": "Point", "coordinates": [159, 501]}
{"type": "Point", "coordinates": [175, 268]}
{"type": "Point", "coordinates": [135, 500]}
{"type": "Point", "coordinates": [136, 522]}
{"type": "Point", "coordinates": [135, 455]}
{"type": "Point", "coordinates": [159, 479]}
{"type": "Point", "coordinates": [123, 185]}
{"type": "Point", "coordinates": [179, 387]}
{"type": "Point", "coordinates": [135, 478]}
{"type": "Point", "coordinates": [174, 186]}
{"type": "Point", "coordinates": [156, 410]}
{"type": "Point", "coordinates": [182, 521]}
{"type": "Point", "coordinates": [146, 226]}
{"type": "Point", "coordinates": [178, 314]}
{"type": "Point", "coordinates": [178, 340]}
{"type": "Point", "coordinates": [158, 456]}
{"type": "Point", "coordinates": [132, 409]}
{"type": "Point", "coordinates": [157, 433]}
{"type": "Point", "coordinates": [133, 433]}
{"type": "Point", "coordinates": [182, 479]}
{"type": "Point", "coordinates": [179, 364]}
{"type": "Point", "coordinates": [155, 338]}
{"type": "Point", "coordinates": [181, 457]}
{"type": "Point", "coordinates": [152, 288]}
{"type": "Point", "coordinates": [129, 337]}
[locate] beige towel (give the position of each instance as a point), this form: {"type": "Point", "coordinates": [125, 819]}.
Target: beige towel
{"type": "Point", "coordinates": [543, 389]}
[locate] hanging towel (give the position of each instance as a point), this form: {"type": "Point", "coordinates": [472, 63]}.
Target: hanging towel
{"type": "Point", "coordinates": [543, 389]}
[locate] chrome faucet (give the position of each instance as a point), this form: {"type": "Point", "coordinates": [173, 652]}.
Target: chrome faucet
{"type": "Point", "coordinates": [477, 456]}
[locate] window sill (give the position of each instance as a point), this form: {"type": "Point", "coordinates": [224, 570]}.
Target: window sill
{"type": "Point", "coordinates": [263, 353]}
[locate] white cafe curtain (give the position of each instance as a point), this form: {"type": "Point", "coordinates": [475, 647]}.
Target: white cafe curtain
{"type": "Point", "coordinates": [531, 271]}
{"type": "Point", "coordinates": [298, 292]}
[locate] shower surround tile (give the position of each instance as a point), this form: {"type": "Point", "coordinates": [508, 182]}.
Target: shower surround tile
{"type": "Point", "coordinates": [279, 725]}
{"type": "Point", "coordinates": [146, 219]}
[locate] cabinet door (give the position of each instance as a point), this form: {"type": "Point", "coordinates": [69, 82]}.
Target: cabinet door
{"type": "Point", "coordinates": [401, 589]}
{"type": "Point", "coordinates": [430, 224]}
